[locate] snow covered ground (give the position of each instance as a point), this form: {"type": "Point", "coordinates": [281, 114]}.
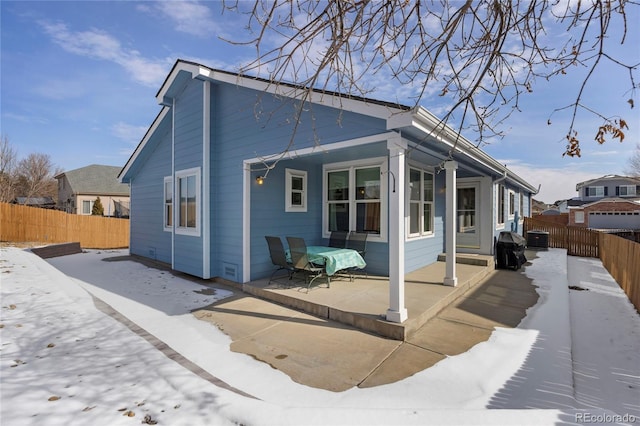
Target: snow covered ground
{"type": "Point", "coordinates": [574, 359]}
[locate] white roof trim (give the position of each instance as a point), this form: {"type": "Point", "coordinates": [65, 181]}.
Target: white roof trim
{"type": "Point", "coordinates": [360, 106]}
{"type": "Point", "coordinates": [422, 119]}
{"type": "Point", "coordinates": [380, 137]}
{"type": "Point", "coordinates": [145, 140]}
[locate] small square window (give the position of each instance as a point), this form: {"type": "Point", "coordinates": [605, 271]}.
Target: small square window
{"type": "Point", "coordinates": [87, 206]}
{"type": "Point", "coordinates": [296, 190]}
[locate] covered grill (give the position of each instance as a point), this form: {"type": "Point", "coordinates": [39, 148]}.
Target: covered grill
{"type": "Point", "coordinates": [510, 251]}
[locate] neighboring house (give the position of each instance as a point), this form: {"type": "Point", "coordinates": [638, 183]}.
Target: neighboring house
{"type": "Point", "coordinates": [563, 206]}
{"type": "Point", "coordinates": [79, 188]}
{"type": "Point", "coordinates": [608, 202]}
{"type": "Point", "coordinates": [41, 202]}
{"type": "Point", "coordinates": [226, 163]}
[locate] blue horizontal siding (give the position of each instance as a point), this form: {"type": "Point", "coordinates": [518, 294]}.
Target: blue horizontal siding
{"type": "Point", "coordinates": [248, 124]}
{"type": "Point", "coordinates": [148, 238]}
{"type": "Point", "coordinates": [188, 136]}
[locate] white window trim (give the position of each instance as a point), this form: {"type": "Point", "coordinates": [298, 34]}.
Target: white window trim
{"type": "Point", "coordinates": [91, 202]}
{"type": "Point", "coordinates": [166, 228]}
{"type": "Point", "coordinates": [629, 193]}
{"type": "Point", "coordinates": [423, 234]}
{"type": "Point", "coordinates": [380, 162]}
{"type": "Point", "coordinates": [521, 207]}
{"type": "Point", "coordinates": [194, 232]}
{"type": "Point", "coordinates": [595, 188]}
{"type": "Point", "coordinates": [289, 175]}
{"type": "Point", "coordinates": [511, 207]}
{"type": "Point", "coordinates": [581, 213]}
{"type": "Point", "coordinates": [500, 190]}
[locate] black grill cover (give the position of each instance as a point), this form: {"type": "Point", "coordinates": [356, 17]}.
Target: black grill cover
{"type": "Point", "coordinates": [512, 237]}
{"type": "Point", "coordinates": [510, 250]}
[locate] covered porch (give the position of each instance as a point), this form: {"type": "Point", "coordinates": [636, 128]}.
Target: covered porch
{"type": "Point", "coordinates": [363, 303]}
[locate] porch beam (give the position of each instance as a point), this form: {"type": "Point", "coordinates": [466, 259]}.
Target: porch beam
{"type": "Point", "coordinates": [397, 311]}
{"type": "Point", "coordinates": [450, 278]}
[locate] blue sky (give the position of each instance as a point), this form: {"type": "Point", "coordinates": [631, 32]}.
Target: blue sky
{"type": "Point", "coordinates": [78, 82]}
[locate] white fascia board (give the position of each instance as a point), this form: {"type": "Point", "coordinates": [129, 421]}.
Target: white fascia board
{"type": "Point", "coordinates": [152, 129]}
{"type": "Point", "coordinates": [180, 66]}
{"type": "Point", "coordinates": [428, 123]}
{"type": "Point", "coordinates": [380, 137]}
{"type": "Point", "coordinates": [359, 106]}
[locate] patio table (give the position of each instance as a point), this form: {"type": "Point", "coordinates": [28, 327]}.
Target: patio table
{"type": "Point", "coordinates": [335, 259]}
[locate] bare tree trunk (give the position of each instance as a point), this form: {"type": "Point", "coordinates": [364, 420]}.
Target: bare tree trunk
{"type": "Point", "coordinates": [8, 160]}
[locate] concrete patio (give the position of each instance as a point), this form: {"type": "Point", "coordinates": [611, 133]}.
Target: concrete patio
{"type": "Point", "coordinates": [336, 338]}
{"type": "Point", "coordinates": [362, 303]}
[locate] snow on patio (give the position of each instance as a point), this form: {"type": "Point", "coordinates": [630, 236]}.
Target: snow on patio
{"type": "Point", "coordinates": [63, 361]}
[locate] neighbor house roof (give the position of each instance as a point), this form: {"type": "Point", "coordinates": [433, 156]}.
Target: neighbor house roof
{"type": "Point", "coordinates": [95, 180]}
{"type": "Point", "coordinates": [633, 201]}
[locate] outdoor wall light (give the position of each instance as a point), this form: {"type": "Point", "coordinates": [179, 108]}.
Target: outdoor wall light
{"type": "Point", "coordinates": [260, 180]}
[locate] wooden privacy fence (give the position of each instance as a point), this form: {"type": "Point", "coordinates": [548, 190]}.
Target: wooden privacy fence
{"type": "Point", "coordinates": [621, 257]}
{"type": "Point", "coordinates": [21, 224]}
{"type": "Point", "coordinates": [578, 241]}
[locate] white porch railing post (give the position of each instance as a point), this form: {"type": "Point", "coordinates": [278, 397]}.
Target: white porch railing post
{"type": "Point", "coordinates": [450, 278]}
{"type": "Point", "coordinates": [397, 311]}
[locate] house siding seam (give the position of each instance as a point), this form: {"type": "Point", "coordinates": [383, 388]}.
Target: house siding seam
{"type": "Point", "coordinates": [147, 211]}
{"type": "Point", "coordinates": [188, 137]}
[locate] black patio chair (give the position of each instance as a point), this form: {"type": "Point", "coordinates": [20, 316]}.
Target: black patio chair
{"type": "Point", "coordinates": [278, 257]}
{"type": "Point", "coordinates": [357, 241]}
{"type": "Point", "coordinates": [338, 239]}
{"type": "Point", "coordinates": [301, 263]}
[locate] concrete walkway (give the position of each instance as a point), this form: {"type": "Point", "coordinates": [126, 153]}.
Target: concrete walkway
{"type": "Point", "coordinates": [328, 354]}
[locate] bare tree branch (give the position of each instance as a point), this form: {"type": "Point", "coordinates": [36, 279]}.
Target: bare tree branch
{"type": "Point", "coordinates": [480, 56]}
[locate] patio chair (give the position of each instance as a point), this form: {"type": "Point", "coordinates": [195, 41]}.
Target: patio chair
{"type": "Point", "coordinates": [357, 241]}
{"type": "Point", "coordinates": [338, 239]}
{"type": "Point", "coordinates": [278, 257]}
{"type": "Point", "coordinates": [301, 263]}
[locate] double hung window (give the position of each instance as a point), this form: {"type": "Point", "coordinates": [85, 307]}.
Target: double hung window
{"type": "Point", "coordinates": [512, 204]}
{"type": "Point", "coordinates": [354, 199]}
{"type": "Point", "coordinates": [626, 190]}
{"type": "Point", "coordinates": [296, 190]}
{"type": "Point", "coordinates": [501, 206]}
{"type": "Point", "coordinates": [87, 206]}
{"type": "Point", "coordinates": [595, 191]}
{"type": "Point", "coordinates": [168, 203]}
{"type": "Point", "coordinates": [187, 195]}
{"type": "Point", "coordinates": [420, 202]}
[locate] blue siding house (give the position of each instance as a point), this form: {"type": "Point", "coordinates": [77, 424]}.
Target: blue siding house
{"type": "Point", "coordinates": [230, 159]}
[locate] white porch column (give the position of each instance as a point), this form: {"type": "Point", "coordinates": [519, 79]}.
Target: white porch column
{"type": "Point", "coordinates": [396, 177]}
{"type": "Point", "coordinates": [450, 278]}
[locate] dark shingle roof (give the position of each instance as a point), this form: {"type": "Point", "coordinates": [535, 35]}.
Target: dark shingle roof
{"type": "Point", "coordinates": [96, 179]}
